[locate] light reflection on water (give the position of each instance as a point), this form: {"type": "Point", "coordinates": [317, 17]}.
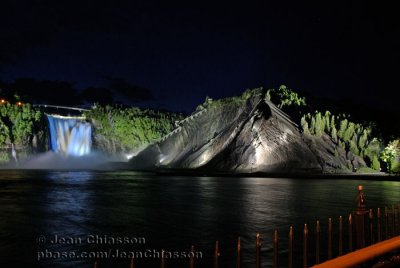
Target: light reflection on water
{"type": "Point", "coordinates": [70, 201]}
{"type": "Point", "coordinates": [170, 212]}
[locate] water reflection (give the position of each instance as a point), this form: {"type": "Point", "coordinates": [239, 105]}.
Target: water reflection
{"type": "Point", "coordinates": [170, 212]}
{"type": "Point", "coordinates": [70, 200]}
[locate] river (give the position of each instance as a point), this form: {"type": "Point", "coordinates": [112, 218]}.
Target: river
{"type": "Point", "coordinates": [48, 218]}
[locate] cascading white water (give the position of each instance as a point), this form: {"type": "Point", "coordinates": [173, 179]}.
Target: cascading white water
{"type": "Point", "coordinates": [71, 136]}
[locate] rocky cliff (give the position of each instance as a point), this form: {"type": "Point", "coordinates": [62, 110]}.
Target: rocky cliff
{"type": "Point", "coordinates": [244, 134]}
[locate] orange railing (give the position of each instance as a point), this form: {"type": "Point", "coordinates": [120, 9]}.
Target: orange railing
{"type": "Point", "coordinates": [363, 255]}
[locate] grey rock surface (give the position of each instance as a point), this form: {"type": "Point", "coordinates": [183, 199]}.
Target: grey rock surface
{"type": "Point", "coordinates": [244, 136]}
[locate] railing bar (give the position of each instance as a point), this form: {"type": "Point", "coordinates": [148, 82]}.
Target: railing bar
{"type": "Point", "coordinates": [363, 255]}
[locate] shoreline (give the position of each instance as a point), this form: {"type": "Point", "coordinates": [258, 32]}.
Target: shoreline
{"type": "Point", "coordinates": [122, 166]}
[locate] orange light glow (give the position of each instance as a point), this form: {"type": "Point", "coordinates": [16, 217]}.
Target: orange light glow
{"type": "Point", "coordinates": [19, 103]}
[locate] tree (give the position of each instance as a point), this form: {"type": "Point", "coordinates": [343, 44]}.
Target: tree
{"type": "Point", "coordinates": [327, 122]}
{"type": "Point", "coordinates": [353, 146]}
{"type": "Point", "coordinates": [18, 122]}
{"type": "Point", "coordinates": [304, 125]}
{"type": "Point", "coordinates": [268, 95]}
{"type": "Point", "coordinates": [284, 96]}
{"type": "Point", "coordinates": [313, 127]}
{"type": "Point", "coordinates": [343, 127]}
{"type": "Point", "coordinates": [319, 125]}
{"type": "Point", "coordinates": [349, 132]}
{"type": "Point", "coordinates": [4, 133]}
{"type": "Point", "coordinates": [362, 142]}
{"type": "Point", "coordinates": [375, 164]}
{"type": "Point", "coordinates": [334, 135]}
{"type": "Point", "coordinates": [390, 154]}
{"type": "Point", "coordinates": [333, 125]}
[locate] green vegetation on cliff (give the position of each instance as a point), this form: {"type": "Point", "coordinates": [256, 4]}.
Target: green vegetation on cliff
{"type": "Point", "coordinates": [285, 96]}
{"type": "Point", "coordinates": [360, 139]}
{"type": "Point", "coordinates": [287, 100]}
{"type": "Point", "coordinates": [353, 137]}
{"type": "Point", "coordinates": [231, 101]}
{"type": "Point", "coordinates": [131, 128]}
{"type": "Point", "coordinates": [391, 156]}
{"type": "Point", "coordinates": [18, 124]}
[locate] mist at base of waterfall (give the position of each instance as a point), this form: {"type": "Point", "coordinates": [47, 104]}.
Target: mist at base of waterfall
{"type": "Point", "coordinates": [53, 160]}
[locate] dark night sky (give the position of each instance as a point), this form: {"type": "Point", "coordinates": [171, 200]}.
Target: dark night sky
{"type": "Point", "coordinates": [173, 54]}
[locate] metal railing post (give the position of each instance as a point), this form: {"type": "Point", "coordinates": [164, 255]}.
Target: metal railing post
{"type": "Point", "coordinates": [371, 227]}
{"type": "Point", "coordinates": [216, 254]}
{"type": "Point", "coordinates": [386, 223]}
{"type": "Point", "coordinates": [258, 251]}
{"type": "Point", "coordinates": [290, 248]}
{"type": "Point", "coordinates": [398, 219]}
{"type": "Point", "coordinates": [350, 233]}
{"type": "Point", "coordinates": [191, 262]}
{"type": "Point", "coordinates": [238, 254]}
{"type": "Point", "coordinates": [378, 224]}
{"type": "Point", "coordinates": [393, 222]}
{"type": "Point", "coordinates": [162, 263]}
{"type": "Point", "coordinates": [317, 242]}
{"type": "Point", "coordinates": [275, 260]}
{"type": "Point", "coordinates": [340, 251]}
{"type": "Point", "coordinates": [329, 238]}
{"type": "Point", "coordinates": [360, 213]}
{"type": "Point", "coordinates": [132, 264]}
{"type": "Point", "coordinates": [305, 245]}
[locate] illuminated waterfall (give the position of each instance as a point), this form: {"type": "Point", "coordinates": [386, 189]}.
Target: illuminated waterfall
{"type": "Point", "coordinates": [70, 135]}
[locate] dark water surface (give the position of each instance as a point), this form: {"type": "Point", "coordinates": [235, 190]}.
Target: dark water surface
{"type": "Point", "coordinates": [170, 213]}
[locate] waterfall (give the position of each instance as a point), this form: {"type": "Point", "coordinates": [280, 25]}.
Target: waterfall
{"type": "Point", "coordinates": [70, 136]}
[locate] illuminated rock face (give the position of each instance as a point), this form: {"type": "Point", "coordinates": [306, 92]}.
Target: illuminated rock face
{"type": "Point", "coordinates": [248, 136]}
{"type": "Point", "coordinates": [70, 136]}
